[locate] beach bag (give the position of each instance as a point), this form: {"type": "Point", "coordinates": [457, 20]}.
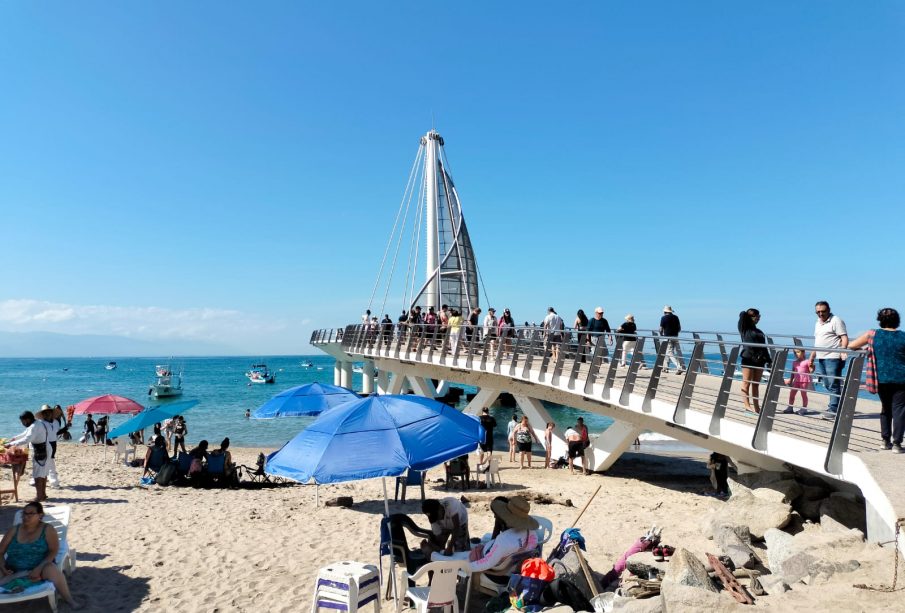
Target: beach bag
{"type": "Point", "coordinates": [166, 474]}
{"type": "Point", "coordinates": [526, 589]}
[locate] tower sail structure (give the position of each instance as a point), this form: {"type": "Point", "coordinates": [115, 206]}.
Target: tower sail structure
{"type": "Point", "coordinates": [451, 271]}
{"type": "Point", "coordinates": [430, 217]}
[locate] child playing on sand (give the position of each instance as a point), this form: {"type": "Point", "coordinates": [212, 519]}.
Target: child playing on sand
{"type": "Point", "coordinates": [800, 381]}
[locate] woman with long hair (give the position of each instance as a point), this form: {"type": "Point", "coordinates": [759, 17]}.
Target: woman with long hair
{"type": "Point", "coordinates": [584, 340]}
{"type": "Point", "coordinates": [754, 358]}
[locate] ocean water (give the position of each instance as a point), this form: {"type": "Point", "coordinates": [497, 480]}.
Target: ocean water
{"type": "Point", "coordinates": [218, 383]}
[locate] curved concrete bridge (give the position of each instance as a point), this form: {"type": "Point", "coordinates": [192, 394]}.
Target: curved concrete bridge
{"type": "Point", "coordinates": [701, 406]}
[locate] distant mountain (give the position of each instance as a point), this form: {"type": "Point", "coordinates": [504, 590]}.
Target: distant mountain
{"type": "Point", "coordinates": [55, 345]}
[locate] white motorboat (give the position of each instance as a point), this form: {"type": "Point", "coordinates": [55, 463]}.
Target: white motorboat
{"type": "Point", "coordinates": [259, 373]}
{"type": "Point", "coordinates": [168, 383]}
{"type": "Point", "coordinates": [110, 366]}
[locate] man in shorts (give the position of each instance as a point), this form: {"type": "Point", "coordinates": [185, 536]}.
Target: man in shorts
{"type": "Point", "coordinates": [553, 327]}
{"type": "Point", "coordinates": [488, 423]}
{"type": "Point", "coordinates": [576, 448]}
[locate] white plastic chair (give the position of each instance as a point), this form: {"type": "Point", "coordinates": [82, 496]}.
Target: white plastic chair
{"type": "Point", "coordinates": [123, 449]}
{"type": "Point", "coordinates": [544, 532]}
{"type": "Point", "coordinates": [441, 593]}
{"type": "Point", "coordinates": [493, 473]}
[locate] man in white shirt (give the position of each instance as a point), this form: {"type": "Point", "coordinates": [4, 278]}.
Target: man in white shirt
{"type": "Point", "coordinates": [553, 327]}
{"type": "Point", "coordinates": [829, 333]}
{"type": "Point", "coordinates": [36, 432]}
{"type": "Point", "coordinates": [449, 526]}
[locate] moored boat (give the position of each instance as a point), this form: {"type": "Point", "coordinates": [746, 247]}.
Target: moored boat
{"type": "Point", "coordinates": [110, 366]}
{"type": "Point", "coordinates": [259, 373]}
{"type": "Point", "coordinates": [168, 383]}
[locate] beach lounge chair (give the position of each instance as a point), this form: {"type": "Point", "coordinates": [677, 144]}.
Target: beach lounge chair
{"type": "Point", "coordinates": [411, 477]}
{"type": "Point", "coordinates": [123, 450]}
{"type": "Point", "coordinates": [183, 463]}
{"type": "Point", "coordinates": [441, 593]}
{"type": "Point", "coordinates": [58, 517]}
{"type": "Point", "coordinates": [159, 457]}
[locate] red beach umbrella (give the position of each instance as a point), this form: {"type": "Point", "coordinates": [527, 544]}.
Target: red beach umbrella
{"type": "Point", "coordinates": [108, 405]}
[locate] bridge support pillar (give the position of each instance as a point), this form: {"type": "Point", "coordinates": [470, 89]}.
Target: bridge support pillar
{"type": "Point", "coordinates": [484, 398]}
{"type": "Point", "coordinates": [367, 377]}
{"type": "Point", "coordinates": [383, 382]}
{"type": "Point", "coordinates": [397, 383]}
{"type": "Point", "coordinates": [346, 374]}
{"type": "Point", "coordinates": [337, 373]}
{"type": "Point", "coordinates": [612, 443]}
{"type": "Point", "coordinates": [422, 387]}
{"type": "Point", "coordinates": [538, 418]}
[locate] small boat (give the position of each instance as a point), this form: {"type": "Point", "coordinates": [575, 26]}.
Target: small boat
{"type": "Point", "coordinates": [307, 364]}
{"type": "Point", "coordinates": [110, 366]}
{"type": "Point", "coordinates": [168, 383]}
{"type": "Point", "coordinates": [259, 373]}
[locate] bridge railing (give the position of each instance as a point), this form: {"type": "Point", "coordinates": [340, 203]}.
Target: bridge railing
{"type": "Point", "coordinates": [708, 373]}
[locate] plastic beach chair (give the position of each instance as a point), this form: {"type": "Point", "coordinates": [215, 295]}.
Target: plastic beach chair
{"type": "Point", "coordinates": [441, 593]}
{"type": "Point", "coordinates": [123, 450]}
{"type": "Point", "coordinates": [544, 532]}
{"type": "Point", "coordinates": [411, 477]}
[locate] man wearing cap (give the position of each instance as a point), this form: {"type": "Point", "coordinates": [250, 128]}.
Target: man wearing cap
{"type": "Point", "coordinates": [670, 328]}
{"type": "Point", "coordinates": [553, 326]}
{"type": "Point", "coordinates": [490, 328]}
{"type": "Point", "coordinates": [517, 535]}
{"type": "Point", "coordinates": [829, 333]}
{"type": "Point", "coordinates": [597, 326]}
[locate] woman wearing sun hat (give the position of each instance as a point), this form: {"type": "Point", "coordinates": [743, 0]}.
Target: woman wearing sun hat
{"type": "Point", "coordinates": [516, 534]}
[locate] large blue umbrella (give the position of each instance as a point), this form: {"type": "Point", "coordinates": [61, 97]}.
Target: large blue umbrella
{"type": "Point", "coordinates": [304, 400]}
{"type": "Point", "coordinates": [152, 415]}
{"type": "Point", "coordinates": [377, 436]}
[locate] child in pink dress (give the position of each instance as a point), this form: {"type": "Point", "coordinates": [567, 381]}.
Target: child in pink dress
{"type": "Point", "coordinates": [800, 381]}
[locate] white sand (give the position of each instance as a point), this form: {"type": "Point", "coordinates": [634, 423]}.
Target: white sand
{"type": "Point", "coordinates": [184, 549]}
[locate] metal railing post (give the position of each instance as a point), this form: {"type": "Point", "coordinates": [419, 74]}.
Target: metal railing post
{"type": "Point", "coordinates": [610, 379]}
{"type": "Point", "coordinates": [722, 397]}
{"type": "Point", "coordinates": [702, 364]}
{"type": "Point", "coordinates": [444, 344]}
{"type": "Point", "coordinates": [687, 390]}
{"type": "Point", "coordinates": [469, 360]}
{"type": "Point", "coordinates": [654, 381]}
{"type": "Point", "coordinates": [594, 367]}
{"type": "Point", "coordinates": [529, 359]}
{"type": "Point", "coordinates": [842, 428]}
{"type": "Point", "coordinates": [561, 358]}
{"type": "Point", "coordinates": [637, 359]}
{"type": "Point", "coordinates": [722, 345]}
{"type": "Point", "coordinates": [768, 409]}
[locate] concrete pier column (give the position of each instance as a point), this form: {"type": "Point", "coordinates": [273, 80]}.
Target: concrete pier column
{"type": "Point", "coordinates": [367, 377]}
{"type": "Point", "coordinates": [383, 381]}
{"type": "Point", "coordinates": [484, 398]}
{"type": "Point", "coordinates": [612, 443]}
{"type": "Point", "coordinates": [337, 373]}
{"type": "Point", "coordinates": [346, 374]}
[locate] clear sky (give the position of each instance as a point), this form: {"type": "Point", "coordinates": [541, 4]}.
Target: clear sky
{"type": "Point", "coordinates": [226, 174]}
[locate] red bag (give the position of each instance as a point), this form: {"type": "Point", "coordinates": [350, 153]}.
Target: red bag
{"type": "Point", "coordinates": [537, 568]}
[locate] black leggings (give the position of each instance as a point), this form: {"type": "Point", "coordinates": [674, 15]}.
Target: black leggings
{"type": "Point", "coordinates": [892, 412]}
{"type": "Point", "coordinates": [53, 449]}
{"type": "Point", "coordinates": [178, 441]}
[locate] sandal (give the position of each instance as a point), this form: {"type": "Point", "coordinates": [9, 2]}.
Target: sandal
{"type": "Point", "coordinates": [658, 553]}
{"type": "Point", "coordinates": [667, 550]}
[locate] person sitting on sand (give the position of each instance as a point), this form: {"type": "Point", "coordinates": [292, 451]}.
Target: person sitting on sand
{"type": "Point", "coordinates": [28, 550]}
{"type": "Point", "coordinates": [199, 456]}
{"type": "Point", "coordinates": [228, 467]}
{"type": "Point", "coordinates": [449, 526]}
{"type": "Point", "coordinates": [156, 456]}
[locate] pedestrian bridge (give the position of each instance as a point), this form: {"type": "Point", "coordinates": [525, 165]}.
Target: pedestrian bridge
{"type": "Point", "coordinates": [699, 404]}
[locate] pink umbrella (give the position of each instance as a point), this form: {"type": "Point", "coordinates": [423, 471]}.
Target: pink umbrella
{"type": "Point", "coordinates": [108, 405]}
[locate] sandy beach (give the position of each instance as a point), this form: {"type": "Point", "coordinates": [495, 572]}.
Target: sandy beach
{"type": "Point", "coordinates": [185, 549]}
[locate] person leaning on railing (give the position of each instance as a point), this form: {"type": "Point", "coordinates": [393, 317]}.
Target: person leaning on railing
{"type": "Point", "coordinates": [886, 374]}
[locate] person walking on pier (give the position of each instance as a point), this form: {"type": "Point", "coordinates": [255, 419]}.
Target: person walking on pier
{"type": "Point", "coordinates": [754, 358]}
{"type": "Point", "coordinates": [670, 328]}
{"type": "Point", "coordinates": [553, 327]}
{"type": "Point", "coordinates": [597, 326]}
{"type": "Point", "coordinates": [799, 381]}
{"type": "Point", "coordinates": [490, 329]}
{"type": "Point", "coordinates": [455, 329]}
{"type": "Point", "coordinates": [829, 333]}
{"type": "Point", "coordinates": [581, 326]}
{"type": "Point", "coordinates": [886, 374]}
{"type": "Point", "coordinates": [507, 331]}
{"type": "Point", "coordinates": [626, 343]}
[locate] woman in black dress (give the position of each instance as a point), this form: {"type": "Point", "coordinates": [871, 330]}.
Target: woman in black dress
{"type": "Point", "coordinates": [753, 358]}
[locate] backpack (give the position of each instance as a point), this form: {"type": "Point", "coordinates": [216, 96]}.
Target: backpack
{"type": "Point", "coordinates": [526, 589]}
{"type": "Point", "coordinates": [166, 474]}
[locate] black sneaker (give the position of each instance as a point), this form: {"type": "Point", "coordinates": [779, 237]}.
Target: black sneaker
{"type": "Point", "coordinates": [897, 448]}
{"type": "Point", "coordinates": [885, 446]}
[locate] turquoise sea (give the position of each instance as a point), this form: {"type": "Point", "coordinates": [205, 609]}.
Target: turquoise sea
{"type": "Point", "coordinates": [218, 383]}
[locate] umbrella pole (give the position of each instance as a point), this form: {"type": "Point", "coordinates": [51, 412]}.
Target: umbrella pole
{"type": "Point", "coordinates": [386, 510]}
{"type": "Point", "coordinates": [317, 500]}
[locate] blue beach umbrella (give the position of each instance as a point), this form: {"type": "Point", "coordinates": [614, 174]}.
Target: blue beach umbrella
{"type": "Point", "coordinates": [377, 436]}
{"type": "Point", "coordinates": [304, 400]}
{"type": "Point", "coordinates": [152, 415]}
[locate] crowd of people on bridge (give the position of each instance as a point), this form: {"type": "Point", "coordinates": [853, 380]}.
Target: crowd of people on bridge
{"type": "Point", "coordinates": [885, 347]}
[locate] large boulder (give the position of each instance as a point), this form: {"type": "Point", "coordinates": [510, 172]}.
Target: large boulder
{"type": "Point", "coordinates": [678, 598]}
{"type": "Point", "coordinates": [638, 605]}
{"type": "Point", "coordinates": [786, 490]}
{"type": "Point", "coordinates": [735, 542]}
{"type": "Point", "coordinates": [845, 509]}
{"type": "Point", "coordinates": [746, 509]}
{"type": "Point", "coordinates": [815, 554]}
{"type": "Point", "coordinates": [762, 478]}
{"type": "Point", "coordinates": [773, 584]}
{"type": "Point", "coordinates": [780, 546]}
{"type": "Point", "coordinates": [685, 569]}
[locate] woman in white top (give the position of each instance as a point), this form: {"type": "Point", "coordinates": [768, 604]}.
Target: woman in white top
{"type": "Point", "coordinates": [35, 434]}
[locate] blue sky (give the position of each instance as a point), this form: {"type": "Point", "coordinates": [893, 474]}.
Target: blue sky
{"type": "Point", "coordinates": [226, 175]}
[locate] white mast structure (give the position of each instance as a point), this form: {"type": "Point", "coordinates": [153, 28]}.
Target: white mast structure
{"type": "Point", "coordinates": [451, 272]}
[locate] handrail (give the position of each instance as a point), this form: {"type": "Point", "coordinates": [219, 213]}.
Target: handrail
{"type": "Point", "coordinates": [584, 361]}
